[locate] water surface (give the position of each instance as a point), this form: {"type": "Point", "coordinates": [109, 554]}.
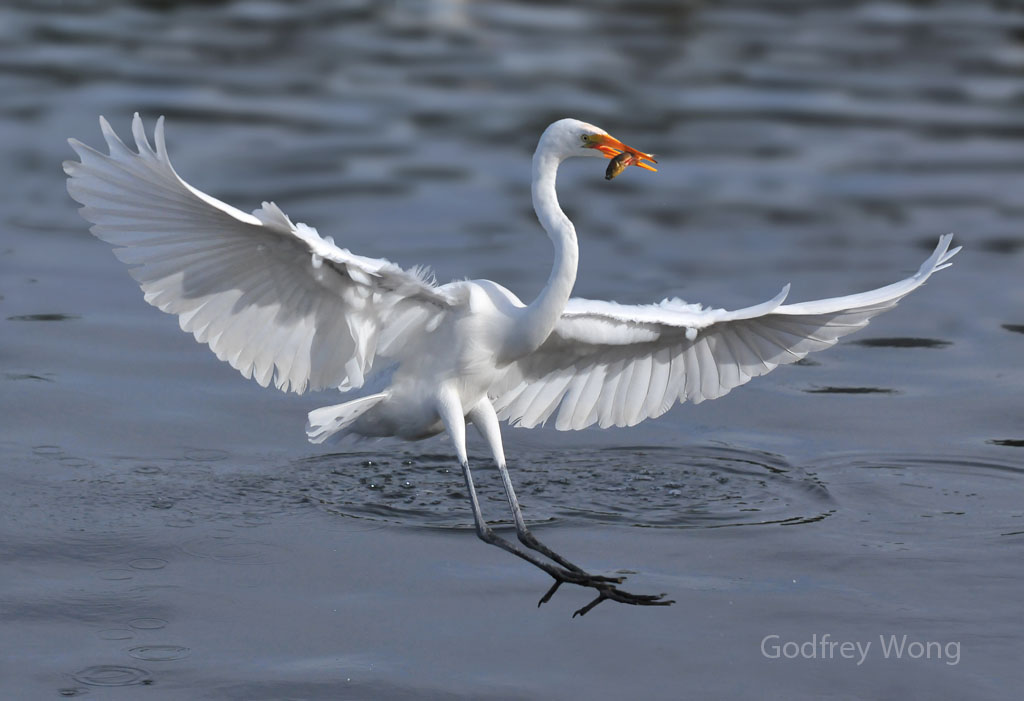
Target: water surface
{"type": "Point", "coordinates": [167, 532]}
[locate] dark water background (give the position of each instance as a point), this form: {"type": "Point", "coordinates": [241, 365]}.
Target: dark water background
{"type": "Point", "coordinates": [167, 533]}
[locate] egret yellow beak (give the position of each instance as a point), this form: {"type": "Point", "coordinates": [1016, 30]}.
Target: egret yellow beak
{"type": "Point", "coordinates": [612, 147]}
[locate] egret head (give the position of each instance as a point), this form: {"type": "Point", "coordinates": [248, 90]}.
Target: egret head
{"type": "Point", "coordinates": [571, 137]}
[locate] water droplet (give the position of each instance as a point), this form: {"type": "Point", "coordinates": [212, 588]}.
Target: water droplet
{"type": "Point", "coordinates": [116, 634]}
{"type": "Point", "coordinates": [148, 470]}
{"type": "Point", "coordinates": [48, 450]}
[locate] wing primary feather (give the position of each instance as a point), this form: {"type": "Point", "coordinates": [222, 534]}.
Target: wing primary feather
{"type": "Point", "coordinates": [589, 403]}
{"type": "Point", "coordinates": [637, 390]}
{"type": "Point", "coordinates": [731, 374]}
{"type": "Point", "coordinates": [570, 401]}
{"type": "Point", "coordinates": [546, 401]}
{"type": "Point", "coordinates": [243, 283]}
{"type": "Point", "coordinates": [616, 396]}
{"type": "Point", "coordinates": [661, 365]}
{"type": "Point", "coordinates": [710, 374]}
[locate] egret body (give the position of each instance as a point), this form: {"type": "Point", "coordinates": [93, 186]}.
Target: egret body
{"type": "Point", "coordinates": [287, 306]}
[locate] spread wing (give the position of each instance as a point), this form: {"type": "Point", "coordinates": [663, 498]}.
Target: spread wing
{"type": "Point", "coordinates": [274, 299]}
{"type": "Point", "coordinates": [616, 365]}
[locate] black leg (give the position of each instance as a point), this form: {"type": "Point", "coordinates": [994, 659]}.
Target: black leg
{"type": "Point", "coordinates": [486, 421]}
{"type": "Point", "coordinates": [604, 585]}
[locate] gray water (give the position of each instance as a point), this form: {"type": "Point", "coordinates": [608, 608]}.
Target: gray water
{"type": "Point", "coordinates": [167, 533]}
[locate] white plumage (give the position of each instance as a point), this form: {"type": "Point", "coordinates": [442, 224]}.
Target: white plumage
{"type": "Point", "coordinates": [284, 305]}
{"type": "Point", "coordinates": [616, 365]}
{"type": "Point", "coordinates": [274, 299]}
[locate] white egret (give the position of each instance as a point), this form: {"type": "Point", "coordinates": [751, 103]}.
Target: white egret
{"type": "Point", "coordinates": [287, 306]}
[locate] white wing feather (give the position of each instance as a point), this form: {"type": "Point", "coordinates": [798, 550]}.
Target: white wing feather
{"type": "Point", "coordinates": [617, 365]}
{"type": "Point", "coordinates": [274, 299]}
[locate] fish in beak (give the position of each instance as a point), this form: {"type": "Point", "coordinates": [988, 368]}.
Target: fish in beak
{"type": "Point", "coordinates": [622, 155]}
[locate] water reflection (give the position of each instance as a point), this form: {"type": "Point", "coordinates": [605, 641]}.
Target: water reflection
{"type": "Point", "coordinates": [850, 390]}
{"type": "Point", "coordinates": [902, 342]}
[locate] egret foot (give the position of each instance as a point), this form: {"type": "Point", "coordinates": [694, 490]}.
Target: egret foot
{"type": "Point", "coordinates": [529, 540]}
{"type": "Point", "coordinates": [624, 597]}
{"type": "Point", "coordinates": [604, 585]}
{"type": "Point", "coordinates": [606, 591]}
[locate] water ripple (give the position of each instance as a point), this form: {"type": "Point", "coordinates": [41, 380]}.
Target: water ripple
{"type": "Point", "coordinates": [964, 465]}
{"type": "Point", "coordinates": [112, 675]}
{"type": "Point", "coordinates": [697, 486]}
{"type": "Point", "coordinates": [159, 653]}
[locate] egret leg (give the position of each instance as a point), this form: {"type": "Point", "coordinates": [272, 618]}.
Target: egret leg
{"type": "Point", "coordinates": [450, 409]}
{"type": "Point", "coordinates": [605, 589]}
{"type": "Point", "coordinates": [485, 419]}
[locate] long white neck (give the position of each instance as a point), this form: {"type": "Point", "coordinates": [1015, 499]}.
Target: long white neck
{"type": "Point", "coordinates": [539, 318]}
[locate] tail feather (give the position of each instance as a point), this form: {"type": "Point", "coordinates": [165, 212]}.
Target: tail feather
{"type": "Point", "coordinates": [328, 420]}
